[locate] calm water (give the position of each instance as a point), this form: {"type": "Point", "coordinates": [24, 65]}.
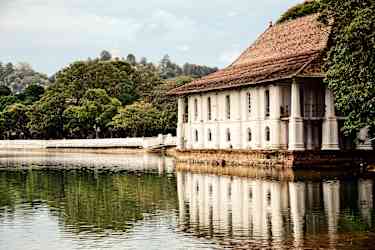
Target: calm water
{"type": "Point", "coordinates": [91, 201]}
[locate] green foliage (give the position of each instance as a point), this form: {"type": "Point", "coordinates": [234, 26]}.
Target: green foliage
{"type": "Point", "coordinates": [6, 101]}
{"type": "Point", "coordinates": [139, 119]}
{"type": "Point", "coordinates": [31, 94]}
{"type": "Point", "coordinates": [115, 77]}
{"type": "Point", "coordinates": [351, 60]}
{"type": "Point", "coordinates": [46, 115]}
{"type": "Point", "coordinates": [93, 115]}
{"type": "Point", "coordinates": [14, 120]}
{"type": "Point", "coordinates": [85, 98]}
{"type": "Point", "coordinates": [5, 91]}
{"type": "Point", "coordinates": [300, 10]}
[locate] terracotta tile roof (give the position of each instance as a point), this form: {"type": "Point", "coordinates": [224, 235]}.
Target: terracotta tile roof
{"type": "Point", "coordinates": [284, 50]}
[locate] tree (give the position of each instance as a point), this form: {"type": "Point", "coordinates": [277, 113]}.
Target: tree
{"type": "Point", "coordinates": [5, 91]}
{"type": "Point", "coordinates": [93, 115]}
{"type": "Point", "coordinates": [46, 115]}
{"type": "Point", "coordinates": [105, 55]}
{"type": "Point", "coordinates": [14, 120]}
{"type": "Point", "coordinates": [300, 10]}
{"type": "Point", "coordinates": [138, 119]}
{"type": "Point", "coordinates": [350, 67]}
{"type": "Point", "coordinates": [117, 78]}
{"type": "Point", "coordinates": [6, 101]}
{"type": "Point", "coordinates": [131, 59]}
{"type": "Point", "coordinates": [31, 94]}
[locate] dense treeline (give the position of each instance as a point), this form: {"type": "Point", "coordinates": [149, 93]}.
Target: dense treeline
{"type": "Point", "coordinates": [96, 98]}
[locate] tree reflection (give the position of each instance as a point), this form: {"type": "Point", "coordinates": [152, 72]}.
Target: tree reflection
{"type": "Point", "coordinates": [88, 200]}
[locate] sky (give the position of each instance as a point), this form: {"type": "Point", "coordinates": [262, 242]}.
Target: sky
{"type": "Point", "coordinates": [50, 34]}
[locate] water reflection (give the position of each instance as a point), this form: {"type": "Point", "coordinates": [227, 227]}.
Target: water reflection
{"type": "Point", "coordinates": [96, 161]}
{"type": "Point", "coordinates": [274, 213]}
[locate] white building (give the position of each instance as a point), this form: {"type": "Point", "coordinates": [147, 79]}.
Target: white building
{"type": "Point", "coordinates": [271, 97]}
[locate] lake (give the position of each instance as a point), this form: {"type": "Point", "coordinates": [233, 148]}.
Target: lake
{"type": "Point", "coordinates": [112, 201]}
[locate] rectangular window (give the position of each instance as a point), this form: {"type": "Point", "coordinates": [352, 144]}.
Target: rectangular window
{"type": "Point", "coordinates": [195, 109]}
{"type": "Point", "coordinates": [267, 103]}
{"type": "Point", "coordinates": [249, 103]}
{"type": "Point", "coordinates": [227, 106]}
{"type": "Point", "coordinates": [186, 110]}
{"type": "Point", "coordinates": [209, 109]}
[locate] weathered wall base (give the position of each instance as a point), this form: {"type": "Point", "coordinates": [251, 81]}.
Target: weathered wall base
{"type": "Point", "coordinates": [279, 159]}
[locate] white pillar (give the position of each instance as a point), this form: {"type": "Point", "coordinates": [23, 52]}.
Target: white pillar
{"type": "Point", "coordinates": [256, 116]}
{"type": "Point", "coordinates": [236, 129]}
{"type": "Point", "coordinates": [217, 130]}
{"type": "Point", "coordinates": [364, 141]}
{"type": "Point", "coordinates": [260, 117]}
{"type": "Point", "coordinates": [330, 130]}
{"type": "Point", "coordinates": [201, 116]}
{"type": "Point", "coordinates": [180, 124]}
{"type": "Point", "coordinates": [275, 104]}
{"type": "Point", "coordinates": [190, 132]}
{"type": "Point", "coordinates": [296, 121]}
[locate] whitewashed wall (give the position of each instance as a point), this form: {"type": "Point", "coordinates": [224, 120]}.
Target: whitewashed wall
{"type": "Point", "coordinates": [141, 142]}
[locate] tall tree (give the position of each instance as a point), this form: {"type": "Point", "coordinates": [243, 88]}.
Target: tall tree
{"type": "Point", "coordinates": [351, 60]}
{"type": "Point", "coordinates": [105, 55]}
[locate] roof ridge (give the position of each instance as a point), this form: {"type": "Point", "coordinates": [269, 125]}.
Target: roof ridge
{"type": "Point", "coordinates": [277, 25]}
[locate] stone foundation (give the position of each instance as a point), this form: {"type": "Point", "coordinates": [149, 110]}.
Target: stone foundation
{"type": "Point", "coordinates": [279, 159]}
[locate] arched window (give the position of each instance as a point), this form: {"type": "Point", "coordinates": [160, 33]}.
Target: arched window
{"type": "Point", "coordinates": [196, 136]}
{"type": "Point", "coordinates": [268, 134]}
{"type": "Point", "coordinates": [249, 135]}
{"type": "Point", "coordinates": [228, 134]}
{"type": "Point", "coordinates": [209, 135]}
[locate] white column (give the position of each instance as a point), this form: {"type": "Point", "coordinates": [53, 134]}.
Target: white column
{"type": "Point", "coordinates": [259, 93]}
{"type": "Point", "coordinates": [236, 128]}
{"type": "Point", "coordinates": [296, 121]}
{"type": "Point", "coordinates": [364, 141]}
{"type": "Point", "coordinates": [180, 124]}
{"type": "Point", "coordinates": [330, 130]}
{"type": "Point", "coordinates": [217, 130]}
{"type": "Point", "coordinates": [201, 116]}
{"type": "Point", "coordinates": [190, 136]}
{"type": "Point", "coordinates": [275, 104]}
{"type": "Point", "coordinates": [255, 116]}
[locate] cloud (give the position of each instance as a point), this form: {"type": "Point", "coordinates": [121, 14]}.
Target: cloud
{"type": "Point", "coordinates": [183, 48]}
{"type": "Point", "coordinates": [50, 34]}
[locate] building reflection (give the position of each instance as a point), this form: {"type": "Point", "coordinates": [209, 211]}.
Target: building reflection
{"type": "Point", "coordinates": [269, 211]}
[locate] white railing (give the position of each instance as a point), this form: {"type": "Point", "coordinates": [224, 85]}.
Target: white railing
{"type": "Point", "coordinates": [140, 142]}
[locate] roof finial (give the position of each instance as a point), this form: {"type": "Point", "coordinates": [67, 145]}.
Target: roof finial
{"type": "Point", "coordinates": [270, 24]}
